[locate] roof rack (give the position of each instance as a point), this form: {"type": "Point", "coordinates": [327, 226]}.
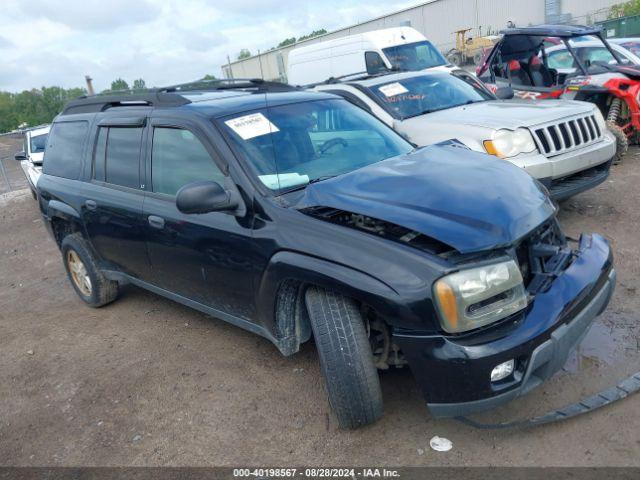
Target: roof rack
{"type": "Point", "coordinates": [357, 76]}
{"type": "Point", "coordinates": [167, 96]}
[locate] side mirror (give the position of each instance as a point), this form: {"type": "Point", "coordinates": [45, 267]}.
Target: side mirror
{"type": "Point", "coordinates": [20, 156]}
{"type": "Point", "coordinates": [204, 197]}
{"type": "Point", "coordinates": [504, 93]}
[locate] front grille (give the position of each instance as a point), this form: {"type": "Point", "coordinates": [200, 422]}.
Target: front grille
{"type": "Point", "coordinates": [562, 137]}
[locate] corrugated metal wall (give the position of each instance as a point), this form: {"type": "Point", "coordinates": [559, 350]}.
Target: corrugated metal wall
{"type": "Point", "coordinates": [437, 20]}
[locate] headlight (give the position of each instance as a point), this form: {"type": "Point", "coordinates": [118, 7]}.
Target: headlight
{"type": "Point", "coordinates": [508, 143]}
{"type": "Point", "coordinates": [475, 297]}
{"type": "Point", "coordinates": [602, 124]}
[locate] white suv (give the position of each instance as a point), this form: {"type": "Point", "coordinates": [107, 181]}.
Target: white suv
{"type": "Point", "coordinates": [31, 156]}
{"type": "Point", "coordinates": [564, 144]}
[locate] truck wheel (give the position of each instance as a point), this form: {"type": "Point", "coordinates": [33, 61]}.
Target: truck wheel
{"type": "Point", "coordinates": [88, 281]}
{"type": "Point", "coordinates": [622, 143]}
{"type": "Point", "coordinates": [345, 355]}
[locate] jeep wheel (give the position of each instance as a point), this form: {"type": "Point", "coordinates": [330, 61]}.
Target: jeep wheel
{"type": "Point", "coordinates": [87, 280]}
{"type": "Point", "coordinates": [622, 143]}
{"type": "Point", "coordinates": [345, 355]}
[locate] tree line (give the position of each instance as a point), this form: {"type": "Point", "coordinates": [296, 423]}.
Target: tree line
{"type": "Point", "coordinates": [40, 105]}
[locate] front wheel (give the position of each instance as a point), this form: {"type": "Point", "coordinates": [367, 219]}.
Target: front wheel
{"type": "Point", "coordinates": [345, 355]}
{"type": "Point", "coordinates": [622, 142]}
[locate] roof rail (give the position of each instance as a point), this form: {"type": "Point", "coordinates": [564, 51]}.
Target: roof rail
{"type": "Point", "coordinates": [230, 84]}
{"type": "Point", "coordinates": [101, 102]}
{"type": "Point", "coordinates": [167, 96]}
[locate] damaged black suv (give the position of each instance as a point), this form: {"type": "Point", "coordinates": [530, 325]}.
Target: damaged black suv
{"type": "Point", "coordinates": [296, 214]}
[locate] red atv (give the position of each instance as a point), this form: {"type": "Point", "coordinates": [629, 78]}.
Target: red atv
{"type": "Point", "coordinates": [520, 60]}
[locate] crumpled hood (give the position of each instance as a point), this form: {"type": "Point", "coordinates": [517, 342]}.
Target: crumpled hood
{"type": "Point", "coordinates": [465, 199]}
{"type": "Point", "coordinates": [504, 113]}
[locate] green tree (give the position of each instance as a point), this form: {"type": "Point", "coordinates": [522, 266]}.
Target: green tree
{"type": "Point", "coordinates": [139, 84]}
{"type": "Point", "coordinates": [209, 77]}
{"type": "Point", "coordinates": [315, 33]}
{"type": "Point", "coordinates": [244, 53]}
{"type": "Point", "coordinates": [286, 42]}
{"type": "Point", "coordinates": [632, 7]}
{"type": "Point", "coordinates": [119, 84]}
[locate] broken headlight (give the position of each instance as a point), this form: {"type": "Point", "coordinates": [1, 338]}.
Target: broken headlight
{"type": "Point", "coordinates": [475, 297]}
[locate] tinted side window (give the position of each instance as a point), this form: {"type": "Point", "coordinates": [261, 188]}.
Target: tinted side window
{"type": "Point", "coordinates": [63, 156]}
{"type": "Point", "coordinates": [123, 156]}
{"type": "Point", "coordinates": [178, 158]}
{"type": "Point", "coordinates": [374, 62]}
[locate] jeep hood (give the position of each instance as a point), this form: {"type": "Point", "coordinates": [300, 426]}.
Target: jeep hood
{"type": "Point", "coordinates": [497, 114]}
{"type": "Point", "coordinates": [467, 200]}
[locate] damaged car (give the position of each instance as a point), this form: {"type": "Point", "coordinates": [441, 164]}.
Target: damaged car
{"type": "Point", "coordinates": [297, 215]}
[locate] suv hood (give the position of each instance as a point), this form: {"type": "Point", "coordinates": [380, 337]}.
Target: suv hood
{"type": "Point", "coordinates": [504, 113]}
{"type": "Point", "coordinates": [467, 200]}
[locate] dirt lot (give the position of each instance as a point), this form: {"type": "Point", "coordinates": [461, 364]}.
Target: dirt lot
{"type": "Point", "coordinates": [146, 381]}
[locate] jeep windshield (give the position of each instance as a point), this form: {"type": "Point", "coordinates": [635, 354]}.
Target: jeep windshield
{"type": "Point", "coordinates": [414, 56]}
{"type": "Point", "coordinates": [413, 96]}
{"type": "Point", "coordinates": [291, 146]}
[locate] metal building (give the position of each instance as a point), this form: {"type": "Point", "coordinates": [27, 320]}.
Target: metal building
{"type": "Point", "coordinates": [437, 20]}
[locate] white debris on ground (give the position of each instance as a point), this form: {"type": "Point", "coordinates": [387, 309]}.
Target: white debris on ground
{"type": "Point", "coordinates": [440, 444]}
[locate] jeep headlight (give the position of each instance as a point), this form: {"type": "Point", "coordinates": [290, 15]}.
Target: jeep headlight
{"type": "Point", "coordinates": [475, 297]}
{"type": "Point", "coordinates": [509, 143]}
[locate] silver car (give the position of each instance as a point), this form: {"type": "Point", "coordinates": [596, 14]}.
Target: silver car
{"type": "Point", "coordinates": [31, 156]}
{"type": "Point", "coordinates": [564, 144]}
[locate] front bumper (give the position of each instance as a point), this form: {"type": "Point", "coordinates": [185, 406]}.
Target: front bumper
{"type": "Point", "coordinates": [454, 371]}
{"type": "Point", "coordinates": [573, 172]}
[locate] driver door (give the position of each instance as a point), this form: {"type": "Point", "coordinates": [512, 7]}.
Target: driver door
{"type": "Point", "coordinates": [202, 257]}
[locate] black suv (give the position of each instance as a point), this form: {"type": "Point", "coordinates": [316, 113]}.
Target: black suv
{"type": "Point", "coordinates": [296, 214]}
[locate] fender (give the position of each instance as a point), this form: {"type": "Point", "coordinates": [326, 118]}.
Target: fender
{"type": "Point", "coordinates": [288, 265]}
{"type": "Point", "coordinates": [56, 208]}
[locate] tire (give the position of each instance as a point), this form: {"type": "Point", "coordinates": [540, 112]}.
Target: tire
{"type": "Point", "coordinates": [346, 360]}
{"type": "Point", "coordinates": [622, 143]}
{"type": "Point", "coordinates": [455, 58]}
{"type": "Point", "coordinates": [100, 290]}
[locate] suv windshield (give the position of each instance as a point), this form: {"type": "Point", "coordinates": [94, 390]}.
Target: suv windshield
{"type": "Point", "coordinates": [428, 93]}
{"type": "Point", "coordinates": [38, 143]}
{"type": "Point", "coordinates": [414, 56]}
{"type": "Point", "coordinates": [290, 146]}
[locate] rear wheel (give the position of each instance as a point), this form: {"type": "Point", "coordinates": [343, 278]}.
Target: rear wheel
{"type": "Point", "coordinates": [346, 359]}
{"type": "Point", "coordinates": [86, 278]}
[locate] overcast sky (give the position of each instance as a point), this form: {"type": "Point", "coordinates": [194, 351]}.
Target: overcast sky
{"type": "Point", "coordinates": [57, 42]}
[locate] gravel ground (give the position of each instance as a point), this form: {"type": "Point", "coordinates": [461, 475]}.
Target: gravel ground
{"type": "Point", "coordinates": [145, 381]}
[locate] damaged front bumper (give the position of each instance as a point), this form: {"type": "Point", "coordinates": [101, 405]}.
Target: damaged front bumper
{"type": "Point", "coordinates": [454, 372]}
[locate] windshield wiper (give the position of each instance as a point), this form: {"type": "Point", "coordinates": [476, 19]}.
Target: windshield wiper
{"type": "Point", "coordinates": [320, 179]}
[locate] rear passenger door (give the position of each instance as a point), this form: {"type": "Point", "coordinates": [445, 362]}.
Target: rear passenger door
{"type": "Point", "coordinates": [205, 258]}
{"type": "Point", "coordinates": [113, 197]}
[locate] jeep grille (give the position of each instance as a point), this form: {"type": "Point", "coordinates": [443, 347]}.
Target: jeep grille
{"type": "Point", "coordinates": [562, 137]}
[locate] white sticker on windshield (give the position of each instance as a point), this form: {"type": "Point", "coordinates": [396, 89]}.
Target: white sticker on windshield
{"type": "Point", "coordinates": [250, 126]}
{"type": "Point", "coordinates": [393, 89]}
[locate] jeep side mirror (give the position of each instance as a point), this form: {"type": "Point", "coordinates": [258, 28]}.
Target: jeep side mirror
{"type": "Point", "coordinates": [204, 197]}
{"type": "Point", "coordinates": [20, 156]}
{"type": "Point", "coordinates": [504, 93]}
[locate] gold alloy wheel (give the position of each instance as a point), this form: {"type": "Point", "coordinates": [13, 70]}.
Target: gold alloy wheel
{"type": "Point", "coordinates": [79, 273]}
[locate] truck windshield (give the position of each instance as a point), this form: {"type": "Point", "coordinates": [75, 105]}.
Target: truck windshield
{"type": "Point", "coordinates": [291, 146]}
{"type": "Point", "coordinates": [413, 96]}
{"type": "Point", "coordinates": [414, 56]}
{"type": "Point", "coordinates": [38, 143]}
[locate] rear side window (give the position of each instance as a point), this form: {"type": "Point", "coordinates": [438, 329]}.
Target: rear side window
{"type": "Point", "coordinates": [117, 156]}
{"type": "Point", "coordinates": [178, 158]}
{"type": "Point", "coordinates": [63, 156]}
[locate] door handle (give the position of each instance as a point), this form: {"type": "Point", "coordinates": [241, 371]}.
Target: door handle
{"type": "Point", "coordinates": [156, 222]}
{"type": "Point", "coordinates": [91, 205]}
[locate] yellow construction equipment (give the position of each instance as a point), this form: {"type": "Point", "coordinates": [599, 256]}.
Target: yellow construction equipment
{"type": "Point", "coordinates": [470, 49]}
